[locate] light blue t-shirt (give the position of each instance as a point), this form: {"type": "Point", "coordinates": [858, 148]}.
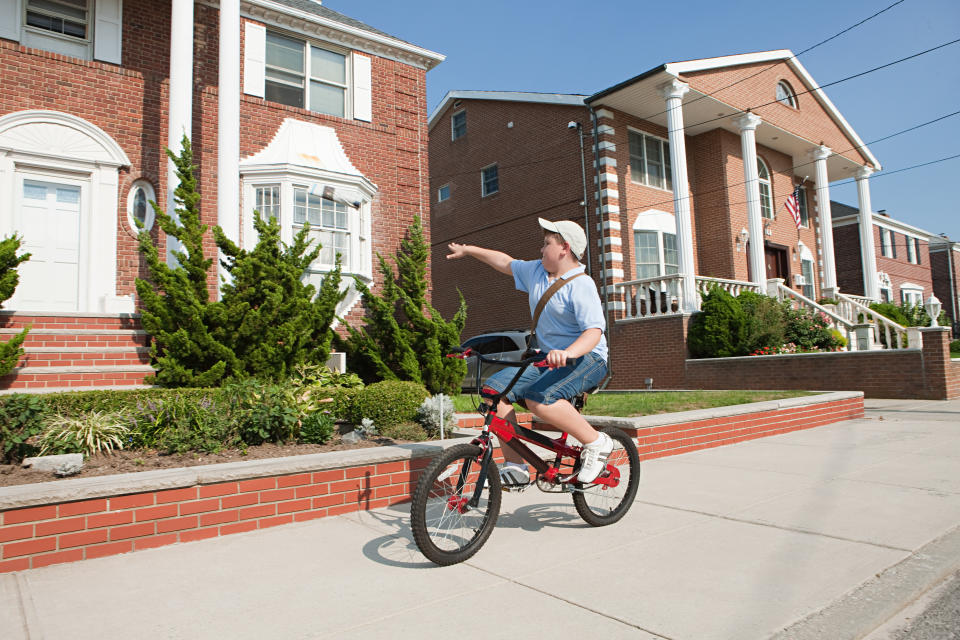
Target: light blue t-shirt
{"type": "Point", "coordinates": [573, 309]}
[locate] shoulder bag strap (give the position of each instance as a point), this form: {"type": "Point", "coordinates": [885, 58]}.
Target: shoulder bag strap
{"type": "Point", "coordinates": [542, 303]}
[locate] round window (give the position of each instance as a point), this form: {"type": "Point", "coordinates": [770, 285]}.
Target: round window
{"type": "Point", "coordinates": [139, 210]}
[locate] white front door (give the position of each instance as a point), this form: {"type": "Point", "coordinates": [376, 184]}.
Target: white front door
{"type": "Point", "coordinates": [49, 221]}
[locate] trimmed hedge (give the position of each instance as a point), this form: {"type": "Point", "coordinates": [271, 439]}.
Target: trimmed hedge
{"type": "Point", "coordinates": [389, 403]}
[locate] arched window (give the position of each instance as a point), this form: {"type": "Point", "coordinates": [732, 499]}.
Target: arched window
{"type": "Point", "coordinates": [786, 95]}
{"type": "Point", "coordinates": [766, 194]}
{"type": "Point", "coordinates": [139, 211]}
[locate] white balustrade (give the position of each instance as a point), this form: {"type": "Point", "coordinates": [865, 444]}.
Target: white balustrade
{"type": "Point", "coordinates": [651, 297]}
{"type": "Point", "coordinates": [798, 301]}
{"type": "Point", "coordinates": [855, 310]}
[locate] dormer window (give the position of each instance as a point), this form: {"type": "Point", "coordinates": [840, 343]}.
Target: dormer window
{"type": "Point", "coordinates": [785, 94]}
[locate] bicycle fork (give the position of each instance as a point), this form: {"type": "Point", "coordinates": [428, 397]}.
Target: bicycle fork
{"type": "Point", "coordinates": [458, 502]}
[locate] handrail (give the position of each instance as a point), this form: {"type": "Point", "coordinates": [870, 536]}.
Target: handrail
{"type": "Point", "coordinates": [837, 323]}
{"type": "Point", "coordinates": [850, 307]}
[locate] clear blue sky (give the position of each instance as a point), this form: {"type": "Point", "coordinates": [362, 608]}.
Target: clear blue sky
{"type": "Point", "coordinates": [582, 47]}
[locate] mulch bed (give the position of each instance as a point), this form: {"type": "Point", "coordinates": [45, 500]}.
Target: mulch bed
{"type": "Point", "coordinates": [140, 460]}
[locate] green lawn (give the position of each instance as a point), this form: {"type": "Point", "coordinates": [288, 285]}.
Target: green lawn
{"type": "Point", "coordinates": [627, 405]}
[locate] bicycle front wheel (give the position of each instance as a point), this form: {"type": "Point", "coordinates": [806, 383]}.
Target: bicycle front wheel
{"type": "Point", "coordinates": [446, 528]}
{"type": "Point", "coordinates": [599, 504]}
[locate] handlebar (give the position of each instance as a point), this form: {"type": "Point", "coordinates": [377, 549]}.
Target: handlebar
{"type": "Point", "coordinates": [463, 354]}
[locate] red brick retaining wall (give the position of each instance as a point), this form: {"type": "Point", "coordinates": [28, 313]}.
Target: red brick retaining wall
{"type": "Point", "coordinates": [50, 532]}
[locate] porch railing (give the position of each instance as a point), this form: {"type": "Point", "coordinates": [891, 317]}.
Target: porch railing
{"type": "Point", "coordinates": [660, 296]}
{"type": "Point", "coordinates": [854, 310]}
{"type": "Point", "coordinates": [651, 297]}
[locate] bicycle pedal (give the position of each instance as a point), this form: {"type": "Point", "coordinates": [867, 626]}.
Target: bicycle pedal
{"type": "Point", "coordinates": [515, 488]}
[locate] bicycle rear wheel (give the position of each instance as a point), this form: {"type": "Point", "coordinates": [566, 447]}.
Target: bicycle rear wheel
{"type": "Point", "coordinates": [445, 527]}
{"type": "Point", "coordinates": [600, 505]}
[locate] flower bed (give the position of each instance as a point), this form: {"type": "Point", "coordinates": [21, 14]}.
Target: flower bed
{"type": "Point", "coordinates": [70, 520]}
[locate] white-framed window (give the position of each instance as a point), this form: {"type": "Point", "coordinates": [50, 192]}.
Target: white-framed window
{"type": "Point", "coordinates": [268, 201]}
{"type": "Point", "coordinates": [786, 95]}
{"type": "Point", "coordinates": [766, 192]}
{"type": "Point", "coordinates": [302, 74]}
{"type": "Point", "coordinates": [489, 180]}
{"type": "Point", "coordinates": [911, 249]}
{"type": "Point", "coordinates": [802, 205]}
{"type": "Point", "coordinates": [911, 294]}
{"type": "Point", "coordinates": [140, 215]}
{"type": "Point", "coordinates": [650, 160]}
{"type": "Point", "coordinates": [806, 270]}
{"type": "Point", "coordinates": [888, 243]}
{"type": "Point", "coordinates": [886, 250]}
{"type": "Point", "coordinates": [443, 193]}
{"type": "Point", "coordinates": [458, 125]}
{"type": "Point", "coordinates": [655, 245]}
{"type": "Point", "coordinates": [328, 226]}
{"type": "Point", "coordinates": [69, 18]}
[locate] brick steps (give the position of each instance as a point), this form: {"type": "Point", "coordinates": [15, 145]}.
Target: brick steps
{"type": "Point", "coordinates": [70, 351]}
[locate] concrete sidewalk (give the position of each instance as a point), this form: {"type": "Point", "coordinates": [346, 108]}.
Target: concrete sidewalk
{"type": "Point", "coordinates": [824, 533]}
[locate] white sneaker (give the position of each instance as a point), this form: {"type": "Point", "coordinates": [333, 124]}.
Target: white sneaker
{"type": "Point", "coordinates": [513, 474]}
{"type": "Point", "coordinates": [593, 458]}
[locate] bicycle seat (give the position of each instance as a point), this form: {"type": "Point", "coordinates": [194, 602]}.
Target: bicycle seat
{"type": "Point", "coordinates": [579, 401]}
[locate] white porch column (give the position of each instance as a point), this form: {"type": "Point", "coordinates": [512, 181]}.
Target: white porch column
{"type": "Point", "coordinates": [674, 91]}
{"type": "Point", "coordinates": [748, 124]}
{"type": "Point", "coordinates": [181, 97]}
{"type": "Point", "coordinates": [228, 124]}
{"type": "Point", "coordinates": [868, 256]}
{"type": "Point", "coordinates": [820, 155]}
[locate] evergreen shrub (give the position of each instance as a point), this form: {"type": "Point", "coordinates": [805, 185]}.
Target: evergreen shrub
{"type": "Point", "coordinates": [719, 330]}
{"type": "Point", "coordinates": [22, 417]}
{"type": "Point", "coordinates": [765, 322]}
{"type": "Point", "coordinates": [389, 403]}
{"type": "Point", "coordinates": [404, 337]}
{"type": "Point", "coordinates": [11, 350]}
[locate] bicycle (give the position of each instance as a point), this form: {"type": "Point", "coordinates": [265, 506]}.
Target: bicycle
{"type": "Point", "coordinates": [457, 499]}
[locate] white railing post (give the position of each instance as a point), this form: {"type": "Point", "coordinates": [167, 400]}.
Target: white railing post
{"type": "Point", "coordinates": [773, 287]}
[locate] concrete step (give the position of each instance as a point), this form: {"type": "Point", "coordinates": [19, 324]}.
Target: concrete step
{"type": "Point", "coordinates": [84, 356]}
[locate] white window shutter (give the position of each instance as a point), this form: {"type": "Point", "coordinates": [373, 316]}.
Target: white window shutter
{"type": "Point", "coordinates": [254, 58]}
{"type": "Point", "coordinates": [362, 89]}
{"type": "Point", "coordinates": [108, 30]}
{"type": "Point", "coordinates": [10, 19]}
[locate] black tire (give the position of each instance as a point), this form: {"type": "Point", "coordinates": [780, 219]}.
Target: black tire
{"type": "Point", "coordinates": [445, 535]}
{"type": "Point", "coordinates": [600, 505]}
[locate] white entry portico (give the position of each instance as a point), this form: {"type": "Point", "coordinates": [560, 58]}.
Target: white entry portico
{"type": "Point", "coordinates": [58, 190]}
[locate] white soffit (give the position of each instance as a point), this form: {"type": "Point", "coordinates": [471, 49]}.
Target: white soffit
{"type": "Point", "coordinates": [304, 144]}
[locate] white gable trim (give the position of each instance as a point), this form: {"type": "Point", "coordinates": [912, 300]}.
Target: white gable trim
{"type": "Point", "coordinates": [280, 15]}
{"type": "Point", "coordinates": [705, 64]}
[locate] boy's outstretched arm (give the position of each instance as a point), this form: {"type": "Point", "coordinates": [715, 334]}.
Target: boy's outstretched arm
{"type": "Point", "coordinates": [496, 259]}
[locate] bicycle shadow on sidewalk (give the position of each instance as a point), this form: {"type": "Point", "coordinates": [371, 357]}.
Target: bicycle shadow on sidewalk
{"type": "Point", "coordinates": [398, 549]}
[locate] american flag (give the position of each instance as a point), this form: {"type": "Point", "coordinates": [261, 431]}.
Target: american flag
{"type": "Point", "coordinates": [793, 205]}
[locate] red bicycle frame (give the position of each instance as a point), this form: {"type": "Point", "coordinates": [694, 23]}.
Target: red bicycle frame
{"type": "Point", "coordinates": [513, 436]}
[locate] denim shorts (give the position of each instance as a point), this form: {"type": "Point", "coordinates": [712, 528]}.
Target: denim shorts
{"type": "Point", "coordinates": [546, 386]}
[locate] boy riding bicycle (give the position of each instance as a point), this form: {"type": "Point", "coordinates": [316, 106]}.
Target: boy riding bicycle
{"type": "Point", "coordinates": [570, 330]}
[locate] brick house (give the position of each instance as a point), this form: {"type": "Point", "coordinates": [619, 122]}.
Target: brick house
{"type": "Point", "coordinates": [945, 265]}
{"type": "Point", "coordinates": [901, 266]}
{"type": "Point", "coordinates": [326, 123]}
{"type": "Point", "coordinates": [685, 183]}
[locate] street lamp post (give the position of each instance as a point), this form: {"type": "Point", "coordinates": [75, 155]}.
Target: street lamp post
{"type": "Point", "coordinates": [583, 175]}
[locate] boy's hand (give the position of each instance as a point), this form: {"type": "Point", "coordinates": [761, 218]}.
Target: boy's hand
{"type": "Point", "coordinates": [557, 358]}
{"type": "Point", "coordinates": [456, 250]}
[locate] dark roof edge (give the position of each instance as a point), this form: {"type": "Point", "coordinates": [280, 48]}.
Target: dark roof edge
{"type": "Point", "coordinates": [625, 83]}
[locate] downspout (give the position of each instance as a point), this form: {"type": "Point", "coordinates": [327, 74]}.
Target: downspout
{"type": "Point", "coordinates": [953, 291]}
{"type": "Point", "coordinates": [603, 253]}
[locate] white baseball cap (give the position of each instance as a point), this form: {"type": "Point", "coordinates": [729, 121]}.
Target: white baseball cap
{"type": "Point", "coordinates": [571, 232]}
